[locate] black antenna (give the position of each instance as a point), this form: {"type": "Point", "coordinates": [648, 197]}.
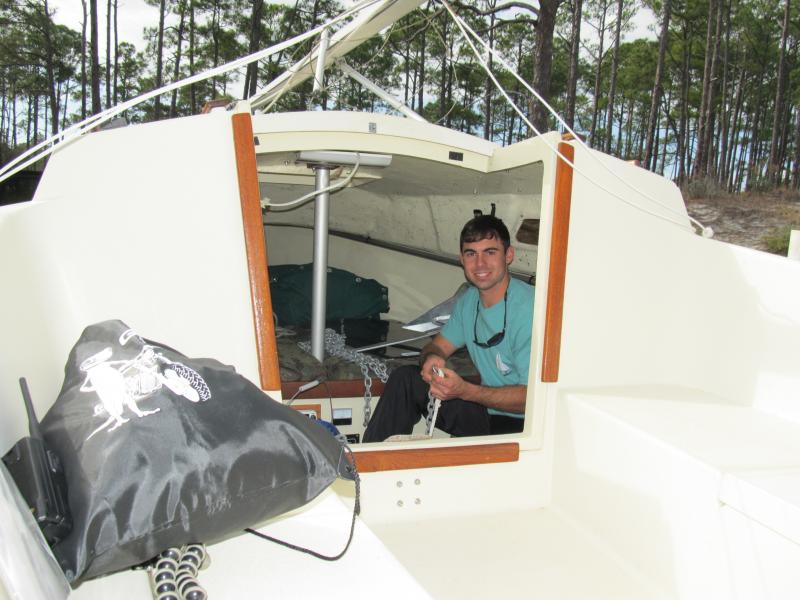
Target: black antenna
{"type": "Point", "coordinates": [494, 206]}
{"type": "Point", "coordinates": [33, 422]}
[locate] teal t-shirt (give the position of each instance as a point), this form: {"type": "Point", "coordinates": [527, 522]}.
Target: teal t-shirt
{"type": "Point", "coordinates": [507, 362]}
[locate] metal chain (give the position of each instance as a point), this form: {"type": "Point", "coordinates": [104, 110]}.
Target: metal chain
{"type": "Point", "coordinates": [174, 575]}
{"type": "Point", "coordinates": [431, 406]}
{"type": "Point", "coordinates": [335, 346]}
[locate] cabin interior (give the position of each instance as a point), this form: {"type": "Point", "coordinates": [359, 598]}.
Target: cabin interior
{"type": "Point", "coordinates": [398, 225]}
{"type": "Point", "coordinates": [659, 455]}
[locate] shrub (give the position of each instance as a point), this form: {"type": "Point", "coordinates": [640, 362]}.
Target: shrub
{"type": "Point", "coordinates": [777, 241]}
{"type": "Point", "coordinates": [705, 188]}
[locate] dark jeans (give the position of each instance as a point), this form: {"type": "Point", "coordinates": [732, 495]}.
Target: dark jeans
{"type": "Point", "coordinates": [405, 400]}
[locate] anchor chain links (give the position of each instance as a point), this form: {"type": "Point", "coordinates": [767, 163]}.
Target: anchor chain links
{"type": "Point", "coordinates": [334, 344]}
{"type": "Point", "coordinates": [431, 407]}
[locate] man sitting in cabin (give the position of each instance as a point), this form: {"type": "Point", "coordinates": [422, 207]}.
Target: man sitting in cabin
{"type": "Point", "coordinates": [493, 319]}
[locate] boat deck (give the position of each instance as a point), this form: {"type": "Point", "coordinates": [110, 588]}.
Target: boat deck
{"type": "Point", "coordinates": [522, 554]}
{"type": "Point", "coordinates": [505, 555]}
{"type": "Point", "coordinates": [700, 494]}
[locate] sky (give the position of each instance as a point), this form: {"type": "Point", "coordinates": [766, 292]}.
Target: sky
{"type": "Point", "coordinates": [135, 15]}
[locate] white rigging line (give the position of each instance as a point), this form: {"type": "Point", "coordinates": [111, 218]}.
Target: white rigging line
{"type": "Point", "coordinates": [70, 134]}
{"type": "Point", "coordinates": [464, 28]}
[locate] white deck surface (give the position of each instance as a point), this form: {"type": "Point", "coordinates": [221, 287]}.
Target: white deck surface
{"type": "Point", "coordinates": [522, 554]}
{"type": "Point", "coordinates": [248, 567]}
{"type": "Point", "coordinates": [706, 493]}
{"type": "Point", "coordinates": [758, 454]}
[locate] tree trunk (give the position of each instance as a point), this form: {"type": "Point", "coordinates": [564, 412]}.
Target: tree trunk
{"type": "Point", "coordinates": [83, 61]}
{"type": "Point", "coordinates": [49, 67]}
{"type": "Point", "coordinates": [544, 60]}
{"type": "Point", "coordinates": [487, 98]}
{"type": "Point", "coordinates": [421, 77]}
{"type": "Point", "coordinates": [251, 77]}
{"type": "Point", "coordinates": [116, 52]}
{"type": "Point", "coordinates": [725, 116]}
{"type": "Point", "coordinates": [406, 71]}
{"type": "Point", "coordinates": [513, 118]}
{"type": "Point", "coordinates": [574, 52]}
{"type": "Point", "coordinates": [755, 132]}
{"type": "Point", "coordinates": [14, 139]}
{"type": "Point", "coordinates": [597, 76]}
{"type": "Point", "coordinates": [192, 88]}
{"type": "Point", "coordinates": [162, 9]}
{"type": "Point", "coordinates": [700, 160]}
{"type": "Point", "coordinates": [35, 118]}
{"type": "Point", "coordinates": [612, 90]}
{"type": "Point", "coordinates": [629, 130]}
{"type": "Point", "coordinates": [176, 72]}
{"type": "Point", "coordinates": [448, 119]}
{"type": "Point", "coordinates": [96, 104]}
{"type": "Point", "coordinates": [108, 53]}
{"type": "Point", "coordinates": [215, 44]}
{"type": "Point", "coordinates": [773, 168]}
{"type": "Point", "coordinates": [620, 122]}
{"type": "Point", "coordinates": [65, 103]}
{"type": "Point", "coordinates": [734, 137]}
{"type": "Point", "coordinates": [796, 170]}
{"type": "Point", "coordinates": [443, 72]}
{"type": "Point", "coordinates": [658, 89]}
{"type": "Point", "coordinates": [684, 116]}
{"type": "Point", "coordinates": [711, 119]}
{"type": "Point", "coordinates": [3, 131]}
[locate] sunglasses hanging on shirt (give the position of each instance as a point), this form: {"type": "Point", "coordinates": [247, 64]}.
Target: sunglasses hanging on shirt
{"type": "Point", "coordinates": [497, 337]}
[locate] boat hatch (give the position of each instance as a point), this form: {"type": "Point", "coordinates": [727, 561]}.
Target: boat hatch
{"type": "Point", "coordinates": [396, 220]}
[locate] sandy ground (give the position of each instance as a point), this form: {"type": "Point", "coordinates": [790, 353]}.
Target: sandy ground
{"type": "Point", "coordinates": [747, 219]}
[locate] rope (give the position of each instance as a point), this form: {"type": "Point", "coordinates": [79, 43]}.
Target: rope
{"type": "Point", "coordinates": [351, 469]}
{"type": "Point", "coordinates": [72, 133]}
{"type": "Point", "coordinates": [464, 28]}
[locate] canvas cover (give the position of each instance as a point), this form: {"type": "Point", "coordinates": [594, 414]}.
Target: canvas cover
{"type": "Point", "coordinates": [161, 450]}
{"type": "Point", "coordinates": [349, 296]}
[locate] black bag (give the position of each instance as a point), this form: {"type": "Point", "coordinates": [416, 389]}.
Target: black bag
{"type": "Point", "coordinates": [160, 450]}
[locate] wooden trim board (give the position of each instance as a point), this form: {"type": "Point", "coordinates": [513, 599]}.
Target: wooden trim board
{"type": "Point", "coordinates": [562, 201]}
{"type": "Point", "coordinates": [250, 197]}
{"type": "Point", "coordinates": [369, 461]}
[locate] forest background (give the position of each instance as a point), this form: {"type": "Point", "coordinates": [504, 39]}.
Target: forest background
{"type": "Point", "coordinates": [710, 100]}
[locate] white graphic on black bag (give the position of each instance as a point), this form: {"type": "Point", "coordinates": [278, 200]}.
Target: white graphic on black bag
{"type": "Point", "coordinates": [121, 384]}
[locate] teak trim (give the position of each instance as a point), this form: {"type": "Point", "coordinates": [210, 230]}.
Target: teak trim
{"type": "Point", "coordinates": [341, 388]}
{"type": "Point", "coordinates": [256, 248]}
{"type": "Point", "coordinates": [554, 313]}
{"type": "Point", "coordinates": [369, 461]}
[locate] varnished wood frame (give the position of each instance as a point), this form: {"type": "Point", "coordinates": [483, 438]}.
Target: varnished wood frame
{"type": "Point", "coordinates": [269, 370]}
{"type": "Point", "coordinates": [250, 197]}
{"type": "Point", "coordinates": [342, 388]}
{"type": "Point", "coordinates": [369, 461]}
{"type": "Point", "coordinates": [559, 237]}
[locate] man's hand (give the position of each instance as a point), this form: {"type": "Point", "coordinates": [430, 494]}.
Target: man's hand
{"type": "Point", "coordinates": [427, 372]}
{"type": "Point", "coordinates": [447, 384]}
{"type": "Point", "coordinates": [434, 354]}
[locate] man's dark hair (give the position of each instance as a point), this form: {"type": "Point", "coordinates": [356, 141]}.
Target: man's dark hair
{"type": "Point", "coordinates": [484, 227]}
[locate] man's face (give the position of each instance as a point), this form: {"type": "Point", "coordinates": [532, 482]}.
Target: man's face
{"type": "Point", "coordinates": [486, 263]}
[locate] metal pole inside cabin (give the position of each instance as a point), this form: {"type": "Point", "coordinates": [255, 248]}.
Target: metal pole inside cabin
{"type": "Point", "coordinates": [320, 277]}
